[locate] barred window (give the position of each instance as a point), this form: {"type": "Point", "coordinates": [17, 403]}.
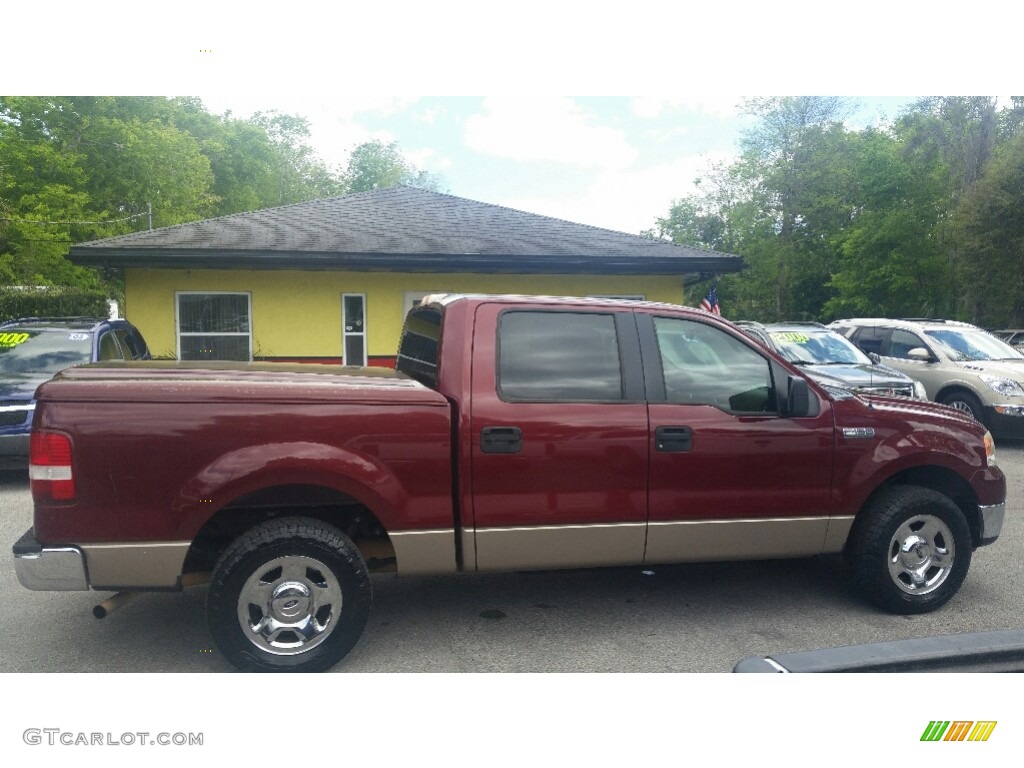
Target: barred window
{"type": "Point", "coordinates": [214, 326]}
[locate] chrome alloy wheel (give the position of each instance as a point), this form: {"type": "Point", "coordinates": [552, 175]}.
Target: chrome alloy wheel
{"type": "Point", "coordinates": [921, 554]}
{"type": "Point", "coordinates": [289, 605]}
{"type": "Point", "coordinates": [963, 406]}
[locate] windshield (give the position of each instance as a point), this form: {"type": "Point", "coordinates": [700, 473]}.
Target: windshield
{"type": "Point", "coordinates": [817, 348]}
{"type": "Point", "coordinates": [25, 351]}
{"type": "Point", "coordinates": [972, 344]}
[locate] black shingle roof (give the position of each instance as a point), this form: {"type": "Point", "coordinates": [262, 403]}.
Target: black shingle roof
{"type": "Point", "coordinates": [400, 228]}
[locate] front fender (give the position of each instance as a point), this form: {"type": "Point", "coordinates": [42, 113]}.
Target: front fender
{"type": "Point", "coordinates": [864, 464]}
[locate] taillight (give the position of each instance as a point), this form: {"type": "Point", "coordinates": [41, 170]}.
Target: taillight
{"type": "Point", "coordinates": [49, 467]}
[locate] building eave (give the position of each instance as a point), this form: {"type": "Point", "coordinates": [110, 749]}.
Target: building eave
{"type": "Point", "coordinates": [490, 263]}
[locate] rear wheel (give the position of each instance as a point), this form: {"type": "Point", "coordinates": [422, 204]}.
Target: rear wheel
{"type": "Point", "coordinates": [289, 595]}
{"type": "Point", "coordinates": [910, 550]}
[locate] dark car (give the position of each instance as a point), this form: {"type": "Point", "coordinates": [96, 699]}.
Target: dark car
{"type": "Point", "coordinates": [831, 359]}
{"type": "Point", "coordinates": [32, 350]}
{"type": "Point", "coordinates": [1012, 336]}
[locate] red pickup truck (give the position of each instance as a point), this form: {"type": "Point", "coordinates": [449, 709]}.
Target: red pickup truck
{"type": "Point", "coordinates": [517, 433]}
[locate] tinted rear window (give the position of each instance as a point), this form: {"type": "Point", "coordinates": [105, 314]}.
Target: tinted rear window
{"type": "Point", "coordinates": [558, 356]}
{"type": "Point", "coordinates": [418, 349]}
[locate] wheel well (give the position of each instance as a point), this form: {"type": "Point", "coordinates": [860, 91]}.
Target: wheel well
{"type": "Point", "coordinates": [945, 481]}
{"type": "Point", "coordinates": [954, 389]}
{"type": "Point", "coordinates": [314, 502]}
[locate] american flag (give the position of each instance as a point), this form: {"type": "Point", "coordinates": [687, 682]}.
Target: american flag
{"type": "Point", "coordinates": [710, 302]}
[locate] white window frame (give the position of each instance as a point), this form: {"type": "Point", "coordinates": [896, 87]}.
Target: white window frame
{"type": "Point", "coordinates": [346, 334]}
{"type": "Point", "coordinates": [177, 317]}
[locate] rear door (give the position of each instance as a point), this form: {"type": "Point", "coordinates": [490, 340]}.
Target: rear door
{"type": "Point", "coordinates": [732, 477]}
{"type": "Point", "coordinates": [559, 438]}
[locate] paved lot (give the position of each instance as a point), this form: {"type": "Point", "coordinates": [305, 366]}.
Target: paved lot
{"type": "Point", "coordinates": [699, 618]}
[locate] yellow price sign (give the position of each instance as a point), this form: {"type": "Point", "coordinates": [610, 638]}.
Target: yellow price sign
{"type": "Point", "coordinates": [13, 339]}
{"type": "Point", "coordinates": [789, 337]}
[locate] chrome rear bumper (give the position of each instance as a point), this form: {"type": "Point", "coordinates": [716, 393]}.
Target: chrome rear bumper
{"type": "Point", "coordinates": [48, 569]}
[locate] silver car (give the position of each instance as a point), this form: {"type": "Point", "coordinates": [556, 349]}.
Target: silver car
{"type": "Point", "coordinates": [960, 365]}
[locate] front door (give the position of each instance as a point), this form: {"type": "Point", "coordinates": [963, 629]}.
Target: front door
{"type": "Point", "coordinates": [353, 324]}
{"type": "Point", "coordinates": [731, 477]}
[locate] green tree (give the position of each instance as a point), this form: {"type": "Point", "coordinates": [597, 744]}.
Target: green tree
{"type": "Point", "coordinates": [301, 174]}
{"type": "Point", "coordinates": [956, 134]}
{"type": "Point", "coordinates": [376, 165]}
{"type": "Point", "coordinates": [789, 152]}
{"type": "Point", "coordinates": [74, 169]}
{"type": "Point", "coordinates": [989, 227]}
{"type": "Point", "coordinates": [891, 257]}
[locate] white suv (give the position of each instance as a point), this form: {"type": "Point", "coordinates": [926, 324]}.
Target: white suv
{"type": "Point", "coordinates": [959, 364]}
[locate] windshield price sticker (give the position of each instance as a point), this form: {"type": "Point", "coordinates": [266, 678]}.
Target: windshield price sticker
{"type": "Point", "coordinates": [789, 337]}
{"type": "Point", "coordinates": [13, 339]}
{"type": "Point", "coordinates": [78, 337]}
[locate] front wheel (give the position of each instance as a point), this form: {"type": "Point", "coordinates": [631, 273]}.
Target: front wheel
{"type": "Point", "coordinates": [910, 550]}
{"type": "Point", "coordinates": [964, 402]}
{"type": "Point", "coordinates": [290, 595]}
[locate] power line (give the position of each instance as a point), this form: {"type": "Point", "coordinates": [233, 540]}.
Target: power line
{"type": "Point", "coordinates": [108, 221]}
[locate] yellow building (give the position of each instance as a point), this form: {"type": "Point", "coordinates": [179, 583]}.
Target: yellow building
{"type": "Point", "coordinates": [330, 280]}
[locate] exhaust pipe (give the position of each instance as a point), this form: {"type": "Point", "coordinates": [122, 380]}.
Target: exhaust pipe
{"type": "Point", "coordinates": [114, 602]}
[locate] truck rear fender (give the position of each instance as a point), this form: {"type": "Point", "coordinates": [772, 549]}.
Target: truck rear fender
{"type": "Point", "coordinates": [246, 486]}
{"type": "Point", "coordinates": [315, 502]}
{"type": "Point", "coordinates": [249, 469]}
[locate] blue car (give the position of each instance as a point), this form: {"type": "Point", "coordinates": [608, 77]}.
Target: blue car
{"type": "Point", "coordinates": [32, 350]}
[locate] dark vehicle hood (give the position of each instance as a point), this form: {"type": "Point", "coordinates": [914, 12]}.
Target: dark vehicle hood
{"type": "Point", "coordinates": [21, 386]}
{"type": "Point", "coordinates": [857, 375]}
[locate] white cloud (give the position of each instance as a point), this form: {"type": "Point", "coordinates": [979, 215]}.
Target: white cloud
{"type": "Point", "coordinates": [333, 125]}
{"type": "Point", "coordinates": [626, 201]}
{"type": "Point", "coordinates": [548, 129]}
{"type": "Point", "coordinates": [651, 107]}
{"type": "Point", "coordinates": [426, 157]}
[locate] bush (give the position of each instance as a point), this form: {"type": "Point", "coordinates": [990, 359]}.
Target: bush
{"type": "Point", "coordinates": [51, 302]}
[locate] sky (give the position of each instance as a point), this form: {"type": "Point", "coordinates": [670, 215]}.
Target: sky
{"type": "Point", "coordinates": [609, 161]}
{"type": "Point", "coordinates": [658, 88]}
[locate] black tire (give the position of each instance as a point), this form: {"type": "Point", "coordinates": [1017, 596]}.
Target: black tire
{"type": "Point", "coordinates": [910, 550]}
{"type": "Point", "coordinates": [290, 595]}
{"type": "Point", "coordinates": [964, 402]}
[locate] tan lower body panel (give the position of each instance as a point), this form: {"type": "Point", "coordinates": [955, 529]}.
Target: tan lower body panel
{"type": "Point", "coordinates": [561, 546]}
{"type": "Point", "coordinates": [838, 532]}
{"type": "Point", "coordinates": [150, 565]}
{"type": "Point", "coordinates": [424, 551]}
{"type": "Point", "coordinates": [751, 539]}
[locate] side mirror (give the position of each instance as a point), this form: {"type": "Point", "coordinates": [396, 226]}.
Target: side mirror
{"type": "Point", "coordinates": [920, 353]}
{"type": "Point", "coordinates": [875, 358]}
{"type": "Point", "coordinates": [799, 401]}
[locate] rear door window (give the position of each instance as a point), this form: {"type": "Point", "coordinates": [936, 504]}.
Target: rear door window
{"type": "Point", "coordinates": [132, 344]}
{"type": "Point", "coordinates": [558, 356]}
{"type": "Point", "coordinates": [109, 349]}
{"type": "Point", "coordinates": [870, 338]}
